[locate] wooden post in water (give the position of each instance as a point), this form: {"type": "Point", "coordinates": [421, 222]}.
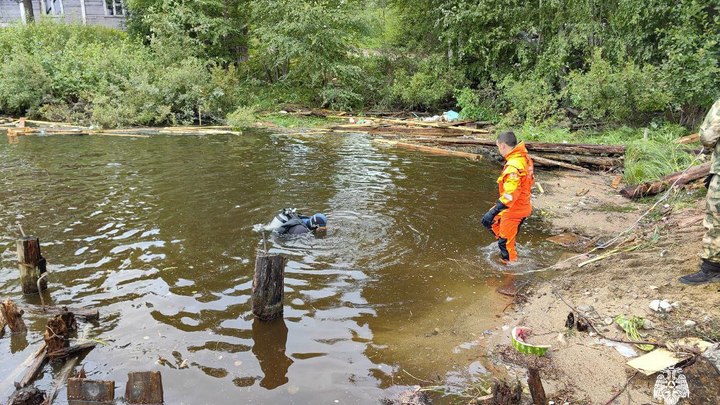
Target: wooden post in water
{"type": "Point", "coordinates": [11, 316]}
{"type": "Point", "coordinates": [144, 388]}
{"type": "Point", "coordinates": [32, 265]}
{"type": "Point", "coordinates": [93, 391]}
{"type": "Point", "coordinates": [268, 286]}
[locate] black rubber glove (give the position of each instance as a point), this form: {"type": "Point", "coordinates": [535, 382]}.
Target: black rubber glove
{"type": "Point", "coordinates": [489, 217]}
{"type": "Point", "coordinates": [708, 179]}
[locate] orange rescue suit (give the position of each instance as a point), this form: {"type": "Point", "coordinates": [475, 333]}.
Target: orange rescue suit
{"type": "Point", "coordinates": [515, 188]}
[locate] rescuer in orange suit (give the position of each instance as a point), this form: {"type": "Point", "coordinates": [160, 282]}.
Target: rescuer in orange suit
{"type": "Point", "coordinates": [513, 206]}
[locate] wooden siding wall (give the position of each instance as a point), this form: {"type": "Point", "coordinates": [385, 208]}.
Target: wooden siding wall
{"type": "Point", "coordinates": [94, 11]}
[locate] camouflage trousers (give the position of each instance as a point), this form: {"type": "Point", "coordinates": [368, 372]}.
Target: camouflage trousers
{"type": "Point", "coordinates": [711, 240]}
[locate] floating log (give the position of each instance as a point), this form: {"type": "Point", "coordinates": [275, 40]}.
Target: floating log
{"type": "Point", "coordinates": [34, 364]}
{"type": "Point", "coordinates": [100, 392]}
{"type": "Point", "coordinates": [268, 286]}
{"type": "Point", "coordinates": [72, 350]}
{"type": "Point", "coordinates": [87, 314]}
{"type": "Point", "coordinates": [430, 149]}
{"type": "Point", "coordinates": [540, 161]}
{"type": "Point", "coordinates": [60, 380]}
{"type": "Point", "coordinates": [12, 316]}
{"type": "Point", "coordinates": [656, 187]}
{"type": "Point", "coordinates": [562, 148]}
{"type": "Point", "coordinates": [144, 388]}
{"type": "Point", "coordinates": [537, 392]}
{"type": "Point", "coordinates": [27, 396]}
{"type": "Point", "coordinates": [32, 265]}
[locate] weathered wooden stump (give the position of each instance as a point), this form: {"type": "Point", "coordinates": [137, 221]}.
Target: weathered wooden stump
{"type": "Point", "coordinates": [57, 332]}
{"type": "Point", "coordinates": [536, 388]}
{"type": "Point", "coordinates": [27, 396]}
{"type": "Point", "coordinates": [144, 388]}
{"type": "Point", "coordinates": [100, 392]}
{"type": "Point", "coordinates": [32, 265]}
{"type": "Point", "coordinates": [504, 394]}
{"type": "Point", "coordinates": [12, 317]}
{"type": "Point", "coordinates": [268, 286]}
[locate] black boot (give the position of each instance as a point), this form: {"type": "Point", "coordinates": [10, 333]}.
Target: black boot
{"type": "Point", "coordinates": [709, 272]}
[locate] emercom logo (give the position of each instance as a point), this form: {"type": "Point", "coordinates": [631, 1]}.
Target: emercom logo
{"type": "Point", "coordinates": [671, 385]}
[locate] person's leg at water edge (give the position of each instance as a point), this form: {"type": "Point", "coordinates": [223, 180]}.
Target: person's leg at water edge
{"type": "Point", "coordinates": [505, 227]}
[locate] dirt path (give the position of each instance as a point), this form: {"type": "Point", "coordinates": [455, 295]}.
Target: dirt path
{"type": "Point", "coordinates": [581, 370]}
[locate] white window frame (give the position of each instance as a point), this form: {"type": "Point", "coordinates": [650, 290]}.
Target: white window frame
{"type": "Point", "coordinates": [114, 4]}
{"type": "Point", "coordinates": [52, 9]}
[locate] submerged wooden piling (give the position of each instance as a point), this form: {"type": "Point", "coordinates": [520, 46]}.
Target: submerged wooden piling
{"type": "Point", "coordinates": [268, 285]}
{"type": "Point", "coordinates": [144, 388]}
{"type": "Point", "coordinates": [94, 391]}
{"type": "Point", "coordinates": [11, 316]}
{"type": "Point", "coordinates": [32, 265]}
{"type": "Point", "coordinates": [536, 388]}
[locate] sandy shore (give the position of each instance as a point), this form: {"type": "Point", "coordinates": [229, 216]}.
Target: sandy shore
{"type": "Point", "coordinates": [579, 369]}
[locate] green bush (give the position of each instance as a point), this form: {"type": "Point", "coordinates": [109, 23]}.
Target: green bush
{"type": "Point", "coordinates": [431, 86]}
{"type": "Point", "coordinates": [617, 94]}
{"type": "Point", "coordinates": [531, 99]}
{"type": "Point", "coordinates": [477, 105]}
{"type": "Point", "coordinates": [58, 71]}
{"type": "Point", "coordinates": [242, 117]}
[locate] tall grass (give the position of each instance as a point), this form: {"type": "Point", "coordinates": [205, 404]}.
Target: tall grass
{"type": "Point", "coordinates": [651, 152]}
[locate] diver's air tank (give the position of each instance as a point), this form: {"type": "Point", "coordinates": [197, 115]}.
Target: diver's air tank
{"type": "Point", "coordinates": [282, 217]}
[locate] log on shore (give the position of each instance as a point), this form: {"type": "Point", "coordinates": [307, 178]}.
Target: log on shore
{"type": "Point", "coordinates": [656, 187]}
{"type": "Point", "coordinates": [564, 148]}
{"type": "Point", "coordinates": [543, 162]}
{"type": "Point", "coordinates": [83, 313]}
{"type": "Point", "coordinates": [586, 161]}
{"type": "Point", "coordinates": [430, 149]}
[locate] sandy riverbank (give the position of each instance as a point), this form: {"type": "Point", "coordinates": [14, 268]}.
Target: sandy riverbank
{"type": "Point", "coordinates": [580, 370]}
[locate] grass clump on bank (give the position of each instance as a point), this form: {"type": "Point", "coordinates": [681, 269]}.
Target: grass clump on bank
{"type": "Point", "coordinates": [651, 153]}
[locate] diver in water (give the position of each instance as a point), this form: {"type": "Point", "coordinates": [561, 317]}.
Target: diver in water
{"type": "Point", "coordinates": [289, 222]}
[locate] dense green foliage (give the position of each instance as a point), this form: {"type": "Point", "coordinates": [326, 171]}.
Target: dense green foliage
{"type": "Point", "coordinates": [558, 62]}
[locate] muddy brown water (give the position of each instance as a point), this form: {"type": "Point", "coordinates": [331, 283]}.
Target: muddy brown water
{"type": "Point", "coordinates": [157, 234]}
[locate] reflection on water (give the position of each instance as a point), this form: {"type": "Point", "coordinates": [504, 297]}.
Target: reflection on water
{"type": "Point", "coordinates": [157, 234]}
{"type": "Point", "coordinates": [269, 342]}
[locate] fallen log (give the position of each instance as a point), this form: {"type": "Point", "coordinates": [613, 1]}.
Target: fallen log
{"type": "Point", "coordinates": [656, 187]}
{"type": "Point", "coordinates": [34, 365]}
{"type": "Point", "coordinates": [87, 314]}
{"type": "Point", "coordinates": [430, 149]}
{"type": "Point", "coordinates": [543, 162]}
{"type": "Point", "coordinates": [72, 350]}
{"type": "Point", "coordinates": [583, 160]}
{"type": "Point", "coordinates": [564, 148]}
{"type": "Point", "coordinates": [434, 124]}
{"type": "Point", "coordinates": [59, 381]}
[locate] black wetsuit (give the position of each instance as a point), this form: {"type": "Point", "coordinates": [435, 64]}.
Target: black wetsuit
{"type": "Point", "coordinates": [294, 226]}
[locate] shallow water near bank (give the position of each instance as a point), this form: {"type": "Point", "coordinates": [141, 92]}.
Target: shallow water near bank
{"type": "Point", "coordinates": [158, 234]}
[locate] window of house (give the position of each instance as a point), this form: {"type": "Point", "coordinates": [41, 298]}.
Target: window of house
{"type": "Point", "coordinates": [114, 7]}
{"type": "Point", "coordinates": [54, 7]}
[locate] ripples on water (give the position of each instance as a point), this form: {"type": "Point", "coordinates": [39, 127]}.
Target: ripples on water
{"type": "Point", "coordinates": [157, 234]}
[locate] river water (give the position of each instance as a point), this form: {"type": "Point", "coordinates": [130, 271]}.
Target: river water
{"type": "Point", "coordinates": [157, 234]}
